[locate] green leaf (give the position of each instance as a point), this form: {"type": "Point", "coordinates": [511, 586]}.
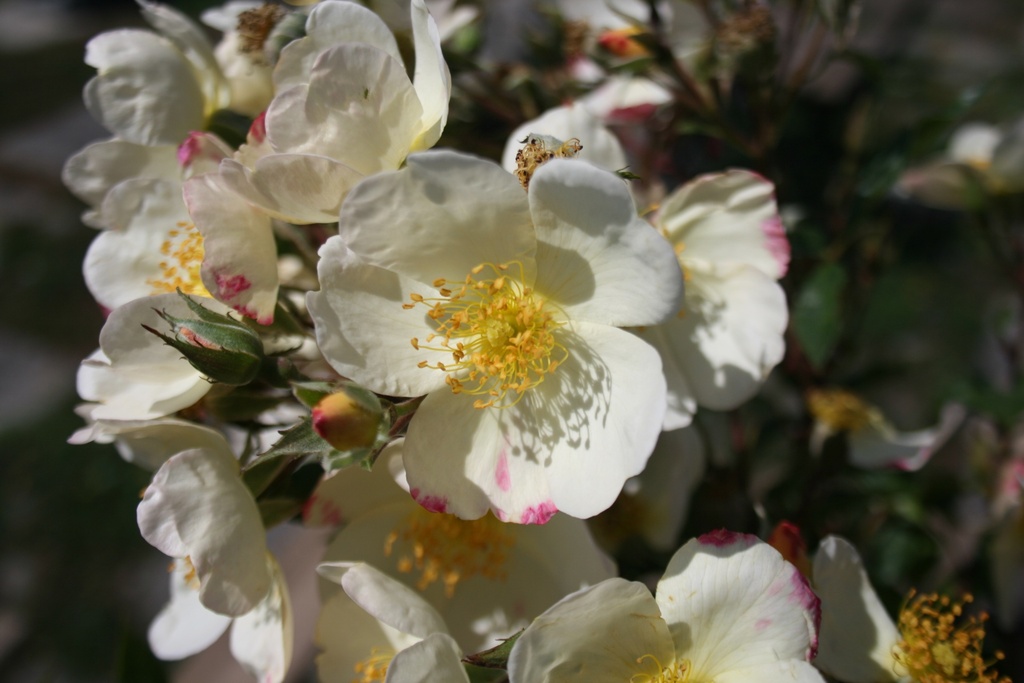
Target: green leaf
{"type": "Point", "coordinates": [817, 313]}
{"type": "Point", "coordinates": [296, 442]}
{"type": "Point", "coordinates": [311, 393]}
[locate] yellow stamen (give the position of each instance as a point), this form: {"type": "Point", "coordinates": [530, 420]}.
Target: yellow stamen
{"type": "Point", "coordinates": [500, 333]}
{"type": "Point", "coordinates": [374, 667]}
{"type": "Point", "coordinates": [674, 672]}
{"type": "Point", "coordinates": [934, 649]}
{"type": "Point", "coordinates": [448, 549]}
{"type": "Point", "coordinates": [840, 410]}
{"type": "Point", "coordinates": [183, 252]}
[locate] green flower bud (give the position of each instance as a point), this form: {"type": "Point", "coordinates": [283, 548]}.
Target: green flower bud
{"type": "Point", "coordinates": [348, 419]}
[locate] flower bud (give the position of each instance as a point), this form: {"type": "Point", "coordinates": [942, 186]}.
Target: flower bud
{"type": "Point", "coordinates": [348, 419]}
{"type": "Point", "coordinates": [222, 348]}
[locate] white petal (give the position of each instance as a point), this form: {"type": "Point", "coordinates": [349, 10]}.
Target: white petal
{"type": "Point", "coordinates": [732, 602]}
{"type": "Point", "coordinates": [431, 80]}
{"type": "Point", "coordinates": [974, 143]}
{"type": "Point", "coordinates": [569, 444]}
{"type": "Point", "coordinates": [146, 90]}
{"type": "Point", "coordinates": [240, 256]}
{"type": "Point", "coordinates": [353, 491]}
{"type": "Point", "coordinates": [682, 402]}
{"type": "Point", "coordinates": [789, 671]}
{"type": "Point", "coordinates": [93, 171]}
{"type": "Point", "coordinates": [441, 216]}
{"type": "Point", "coordinates": [297, 188]}
{"type": "Point", "coordinates": [729, 336]}
{"type": "Point", "coordinates": [149, 443]}
{"type": "Point", "coordinates": [362, 329]}
{"type": "Point", "coordinates": [436, 659]}
{"type": "Point", "coordinates": [857, 635]}
{"type": "Point", "coordinates": [197, 506]}
{"type": "Point", "coordinates": [728, 218]}
{"type": "Point", "coordinates": [347, 636]}
{"type": "Point", "coordinates": [184, 626]}
{"type": "Point", "coordinates": [192, 42]}
{"type": "Point", "coordinates": [391, 602]}
{"type": "Point", "coordinates": [620, 94]}
{"type": "Point", "coordinates": [597, 633]}
{"type": "Point", "coordinates": [330, 24]}
{"type": "Point", "coordinates": [261, 640]}
{"type": "Point", "coordinates": [359, 108]}
{"type": "Point", "coordinates": [137, 376]}
{"type": "Point", "coordinates": [595, 257]}
{"type": "Point", "coordinates": [573, 120]}
{"type": "Point", "coordinates": [880, 445]}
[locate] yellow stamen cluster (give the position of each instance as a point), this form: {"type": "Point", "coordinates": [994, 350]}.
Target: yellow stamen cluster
{"type": "Point", "coordinates": [675, 672]}
{"type": "Point", "coordinates": [191, 580]}
{"type": "Point", "coordinates": [501, 335]}
{"type": "Point", "coordinates": [539, 149]}
{"type": "Point", "coordinates": [374, 667]}
{"type": "Point", "coordinates": [840, 410]}
{"type": "Point", "coordinates": [183, 252]}
{"type": "Point", "coordinates": [448, 549]}
{"type": "Point", "coordinates": [934, 649]}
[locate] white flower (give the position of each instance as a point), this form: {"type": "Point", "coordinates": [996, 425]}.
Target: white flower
{"type": "Point", "coordinates": [728, 609]}
{"type": "Point", "coordinates": [198, 510]}
{"type": "Point", "coordinates": [149, 443]}
{"type": "Point", "coordinates": [261, 639]}
{"type": "Point", "coordinates": [345, 108]}
{"type": "Point", "coordinates": [487, 579]}
{"type": "Point", "coordinates": [153, 89]}
{"type": "Point", "coordinates": [503, 308]}
{"type": "Point", "coordinates": [245, 65]}
{"type": "Point", "coordinates": [379, 625]}
{"type": "Point", "coordinates": [859, 643]}
{"type": "Point", "coordinates": [873, 441]}
{"type": "Point", "coordinates": [728, 335]}
{"type": "Point", "coordinates": [134, 375]}
{"type": "Point", "coordinates": [980, 157]}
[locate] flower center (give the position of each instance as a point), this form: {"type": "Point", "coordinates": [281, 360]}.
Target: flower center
{"type": "Point", "coordinates": [183, 256]}
{"type": "Point", "coordinates": [500, 333]}
{"type": "Point", "coordinates": [840, 410]}
{"type": "Point", "coordinates": [934, 649]}
{"type": "Point", "coordinates": [674, 672]}
{"type": "Point", "coordinates": [539, 149]}
{"type": "Point", "coordinates": [254, 25]}
{"type": "Point", "coordinates": [445, 548]}
{"type": "Point", "coordinates": [374, 667]}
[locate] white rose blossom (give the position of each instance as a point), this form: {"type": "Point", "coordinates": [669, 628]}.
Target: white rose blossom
{"type": "Point", "coordinates": [728, 609]}
{"type": "Point", "coordinates": [503, 308]}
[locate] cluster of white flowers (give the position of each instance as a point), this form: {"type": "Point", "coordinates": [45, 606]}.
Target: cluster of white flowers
{"type": "Point", "coordinates": [472, 357]}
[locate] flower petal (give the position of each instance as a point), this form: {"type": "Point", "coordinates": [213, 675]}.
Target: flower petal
{"type": "Point", "coordinates": [431, 79]}
{"type": "Point", "coordinates": [728, 218]}
{"type": "Point", "coordinates": [437, 659]}
{"type": "Point", "coordinates": [789, 671]}
{"type": "Point", "coordinates": [359, 108]}
{"type": "Point", "coordinates": [93, 171]}
{"type": "Point", "coordinates": [240, 255]}
{"type": "Point", "coordinates": [729, 336]}
{"type": "Point", "coordinates": [146, 91]}
{"type": "Point", "coordinates": [328, 25]}
{"type": "Point", "coordinates": [598, 633]}
{"type": "Point", "coordinates": [441, 216]}
{"type": "Point", "coordinates": [297, 188]}
{"type": "Point", "coordinates": [732, 603]}
{"type": "Point", "coordinates": [880, 445]}
{"type": "Point", "coordinates": [390, 602]}
{"type": "Point", "coordinates": [184, 626]}
{"type": "Point", "coordinates": [149, 443]}
{"type": "Point", "coordinates": [348, 636]}
{"type": "Point", "coordinates": [857, 635]}
{"type": "Point", "coordinates": [362, 329]}
{"type": "Point", "coordinates": [595, 257]}
{"type": "Point", "coordinates": [261, 640]}
{"type": "Point", "coordinates": [197, 506]}
{"type": "Point", "coordinates": [569, 444]}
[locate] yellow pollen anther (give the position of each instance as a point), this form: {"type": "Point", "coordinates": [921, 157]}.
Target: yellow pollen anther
{"type": "Point", "coordinates": [374, 667]}
{"type": "Point", "coordinates": [674, 672]}
{"type": "Point", "coordinates": [934, 649]}
{"type": "Point", "coordinates": [500, 334]}
{"type": "Point", "coordinates": [446, 549]}
{"type": "Point", "coordinates": [840, 410]}
{"type": "Point", "coordinates": [184, 247]}
{"type": "Point", "coordinates": [539, 149]}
